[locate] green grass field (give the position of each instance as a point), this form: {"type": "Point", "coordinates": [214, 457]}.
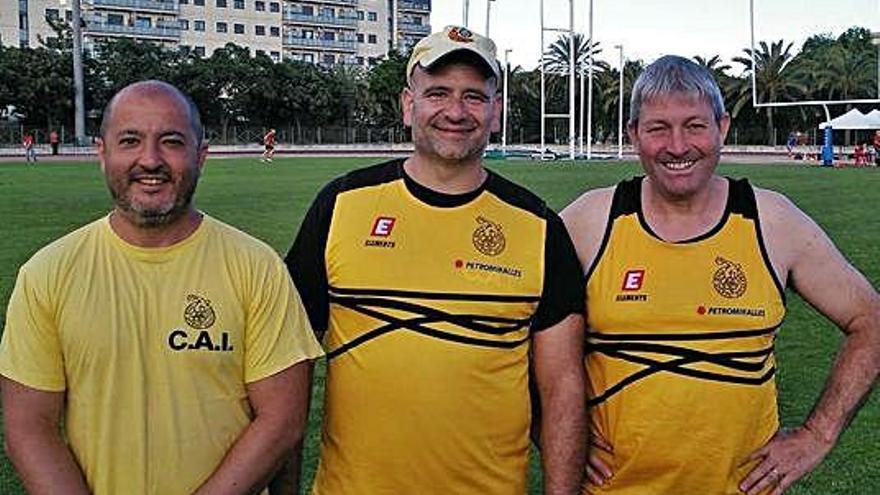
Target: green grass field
{"type": "Point", "coordinates": [41, 203]}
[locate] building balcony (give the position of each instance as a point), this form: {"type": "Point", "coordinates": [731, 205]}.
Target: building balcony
{"type": "Point", "coordinates": [347, 3]}
{"type": "Point", "coordinates": [421, 7]}
{"type": "Point", "coordinates": [408, 27]}
{"type": "Point", "coordinates": [162, 32]}
{"type": "Point", "coordinates": [347, 45]}
{"type": "Point", "coordinates": [339, 21]}
{"type": "Point", "coordinates": [164, 6]}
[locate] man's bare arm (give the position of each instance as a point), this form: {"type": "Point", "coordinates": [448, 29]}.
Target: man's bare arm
{"type": "Point", "coordinates": [823, 277]}
{"type": "Point", "coordinates": [34, 444]}
{"type": "Point", "coordinates": [280, 405]}
{"type": "Point", "coordinates": [559, 370]}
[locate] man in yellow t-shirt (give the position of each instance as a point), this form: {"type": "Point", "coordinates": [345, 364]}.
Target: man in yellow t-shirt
{"type": "Point", "coordinates": [173, 347]}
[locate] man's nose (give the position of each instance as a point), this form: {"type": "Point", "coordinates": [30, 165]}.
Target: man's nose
{"type": "Point", "coordinates": [677, 144]}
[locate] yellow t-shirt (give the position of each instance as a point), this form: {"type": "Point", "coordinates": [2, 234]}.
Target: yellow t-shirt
{"type": "Point", "coordinates": [680, 358]}
{"type": "Point", "coordinates": [429, 302]}
{"type": "Point", "coordinates": [153, 347]}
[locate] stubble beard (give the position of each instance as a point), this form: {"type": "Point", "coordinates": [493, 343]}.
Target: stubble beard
{"type": "Point", "coordinates": [154, 217]}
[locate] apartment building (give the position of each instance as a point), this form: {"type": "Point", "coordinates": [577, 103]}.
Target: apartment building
{"type": "Point", "coordinates": [326, 32]}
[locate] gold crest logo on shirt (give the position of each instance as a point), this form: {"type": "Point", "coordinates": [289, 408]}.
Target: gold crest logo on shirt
{"type": "Point", "coordinates": [729, 279]}
{"type": "Point", "coordinates": [488, 238]}
{"type": "Point", "coordinates": [198, 312]}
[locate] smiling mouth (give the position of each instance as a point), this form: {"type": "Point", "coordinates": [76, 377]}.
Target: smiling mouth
{"type": "Point", "coordinates": [678, 165]}
{"type": "Point", "coordinates": [150, 180]}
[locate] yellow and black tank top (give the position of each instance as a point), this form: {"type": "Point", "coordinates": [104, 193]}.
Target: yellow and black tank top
{"type": "Point", "coordinates": [428, 302]}
{"type": "Point", "coordinates": [680, 343]}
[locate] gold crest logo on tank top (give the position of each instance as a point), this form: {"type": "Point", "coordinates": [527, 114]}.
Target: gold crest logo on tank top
{"type": "Point", "coordinates": [729, 279]}
{"type": "Point", "coordinates": [198, 313]}
{"type": "Point", "coordinates": [488, 238]}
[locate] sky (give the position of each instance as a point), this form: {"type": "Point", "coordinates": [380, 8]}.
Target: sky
{"type": "Point", "coordinates": [648, 29]}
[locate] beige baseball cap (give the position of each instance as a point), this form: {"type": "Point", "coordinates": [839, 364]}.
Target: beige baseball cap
{"type": "Point", "coordinates": [437, 45]}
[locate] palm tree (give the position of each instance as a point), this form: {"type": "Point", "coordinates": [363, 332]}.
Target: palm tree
{"type": "Point", "coordinates": [557, 56]}
{"type": "Point", "coordinates": [610, 92]}
{"type": "Point", "coordinates": [774, 79]}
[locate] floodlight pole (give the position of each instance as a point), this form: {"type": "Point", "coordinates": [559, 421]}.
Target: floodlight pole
{"type": "Point", "coordinates": [488, 15]}
{"type": "Point", "coordinates": [572, 65]}
{"type": "Point", "coordinates": [589, 85]}
{"type": "Point", "coordinates": [504, 122]}
{"type": "Point", "coordinates": [79, 121]}
{"type": "Point", "coordinates": [620, 107]}
{"type": "Point", "coordinates": [464, 15]}
{"type": "Point", "coordinates": [875, 39]}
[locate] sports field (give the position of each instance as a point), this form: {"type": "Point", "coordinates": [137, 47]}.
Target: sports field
{"type": "Point", "coordinates": [39, 204]}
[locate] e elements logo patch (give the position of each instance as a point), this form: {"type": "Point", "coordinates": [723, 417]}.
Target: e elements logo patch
{"type": "Point", "coordinates": [198, 312]}
{"type": "Point", "coordinates": [382, 227]}
{"type": "Point", "coordinates": [729, 279]}
{"type": "Point", "coordinates": [633, 279]}
{"type": "Point", "coordinates": [488, 238]}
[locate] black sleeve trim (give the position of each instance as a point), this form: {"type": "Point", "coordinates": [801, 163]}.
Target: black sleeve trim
{"type": "Point", "coordinates": [563, 292]}
{"type": "Point", "coordinates": [306, 260]}
{"type": "Point", "coordinates": [749, 194]}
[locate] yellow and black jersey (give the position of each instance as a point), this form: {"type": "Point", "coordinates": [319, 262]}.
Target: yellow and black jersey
{"type": "Point", "coordinates": [428, 301]}
{"type": "Point", "coordinates": [680, 343]}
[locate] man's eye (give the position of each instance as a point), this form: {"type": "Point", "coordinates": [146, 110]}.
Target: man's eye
{"type": "Point", "coordinates": [128, 141]}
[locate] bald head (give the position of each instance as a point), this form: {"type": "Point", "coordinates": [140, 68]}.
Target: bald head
{"type": "Point", "coordinates": [155, 88]}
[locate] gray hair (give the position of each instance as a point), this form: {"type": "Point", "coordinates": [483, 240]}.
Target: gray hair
{"type": "Point", "coordinates": [673, 74]}
{"type": "Point", "coordinates": [154, 85]}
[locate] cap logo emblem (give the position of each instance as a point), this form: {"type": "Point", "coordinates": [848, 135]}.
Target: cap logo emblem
{"type": "Point", "coordinates": [461, 35]}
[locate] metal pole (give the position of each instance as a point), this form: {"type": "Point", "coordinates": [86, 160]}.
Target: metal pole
{"type": "Point", "coordinates": [506, 82]}
{"type": "Point", "coordinates": [488, 15]}
{"type": "Point", "coordinates": [543, 98]}
{"type": "Point", "coordinates": [571, 81]}
{"type": "Point", "coordinates": [78, 85]}
{"type": "Point", "coordinates": [620, 108]}
{"type": "Point", "coordinates": [464, 15]}
{"type": "Point", "coordinates": [590, 85]}
{"type": "Point", "coordinates": [394, 34]}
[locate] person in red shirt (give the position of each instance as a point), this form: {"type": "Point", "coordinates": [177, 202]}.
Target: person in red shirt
{"type": "Point", "coordinates": [30, 155]}
{"type": "Point", "coordinates": [877, 148]}
{"type": "Point", "coordinates": [269, 143]}
{"type": "Point", "coordinates": [53, 142]}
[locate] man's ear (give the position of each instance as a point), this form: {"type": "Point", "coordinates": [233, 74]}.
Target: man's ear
{"type": "Point", "coordinates": [632, 130]}
{"type": "Point", "coordinates": [406, 103]}
{"type": "Point", "coordinates": [497, 108]}
{"type": "Point", "coordinates": [100, 146]}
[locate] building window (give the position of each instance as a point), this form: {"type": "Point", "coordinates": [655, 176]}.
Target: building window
{"type": "Point", "coordinates": [238, 4]}
{"type": "Point", "coordinates": [115, 20]}
{"type": "Point", "coordinates": [274, 31]}
{"type": "Point", "coordinates": [371, 39]}
{"type": "Point", "coordinates": [308, 57]}
{"type": "Point", "coordinates": [260, 6]}
{"type": "Point", "coordinates": [238, 28]}
{"type": "Point", "coordinates": [184, 24]}
{"type": "Point", "coordinates": [199, 3]}
{"type": "Point", "coordinates": [260, 30]}
{"type": "Point", "coordinates": [274, 7]}
{"type": "Point", "coordinates": [222, 27]}
{"type": "Point", "coordinates": [52, 14]}
{"type": "Point", "coordinates": [360, 37]}
{"type": "Point", "coordinates": [328, 12]}
{"type": "Point", "coordinates": [183, 2]}
{"type": "Point", "coordinates": [329, 59]}
{"type": "Point", "coordinates": [221, 4]}
{"type": "Point", "coordinates": [360, 60]}
{"type": "Point", "coordinates": [372, 16]}
{"type": "Point", "coordinates": [143, 22]}
{"type": "Point", "coordinates": [68, 15]}
{"type": "Point", "coordinates": [199, 26]}
{"type": "Point", "coordinates": [360, 15]}
{"type": "Point", "coordinates": [200, 50]}
{"type": "Point", "coordinates": [276, 56]}
{"type": "Point", "coordinates": [416, 20]}
{"type": "Point", "coordinates": [307, 10]}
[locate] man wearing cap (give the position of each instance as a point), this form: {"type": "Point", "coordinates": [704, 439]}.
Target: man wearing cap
{"type": "Point", "coordinates": [436, 284]}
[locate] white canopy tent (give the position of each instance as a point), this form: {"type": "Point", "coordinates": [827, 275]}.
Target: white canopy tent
{"type": "Point", "coordinates": [854, 119]}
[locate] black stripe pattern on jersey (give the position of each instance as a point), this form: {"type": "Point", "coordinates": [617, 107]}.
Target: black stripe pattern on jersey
{"type": "Point", "coordinates": [746, 367]}
{"type": "Point", "coordinates": [376, 304]}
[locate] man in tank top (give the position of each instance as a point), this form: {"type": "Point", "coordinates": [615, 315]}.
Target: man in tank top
{"type": "Point", "coordinates": [685, 271]}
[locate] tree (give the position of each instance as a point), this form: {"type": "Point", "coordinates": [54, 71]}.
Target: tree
{"type": "Point", "coordinates": [774, 80]}
{"type": "Point", "coordinates": [386, 80]}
